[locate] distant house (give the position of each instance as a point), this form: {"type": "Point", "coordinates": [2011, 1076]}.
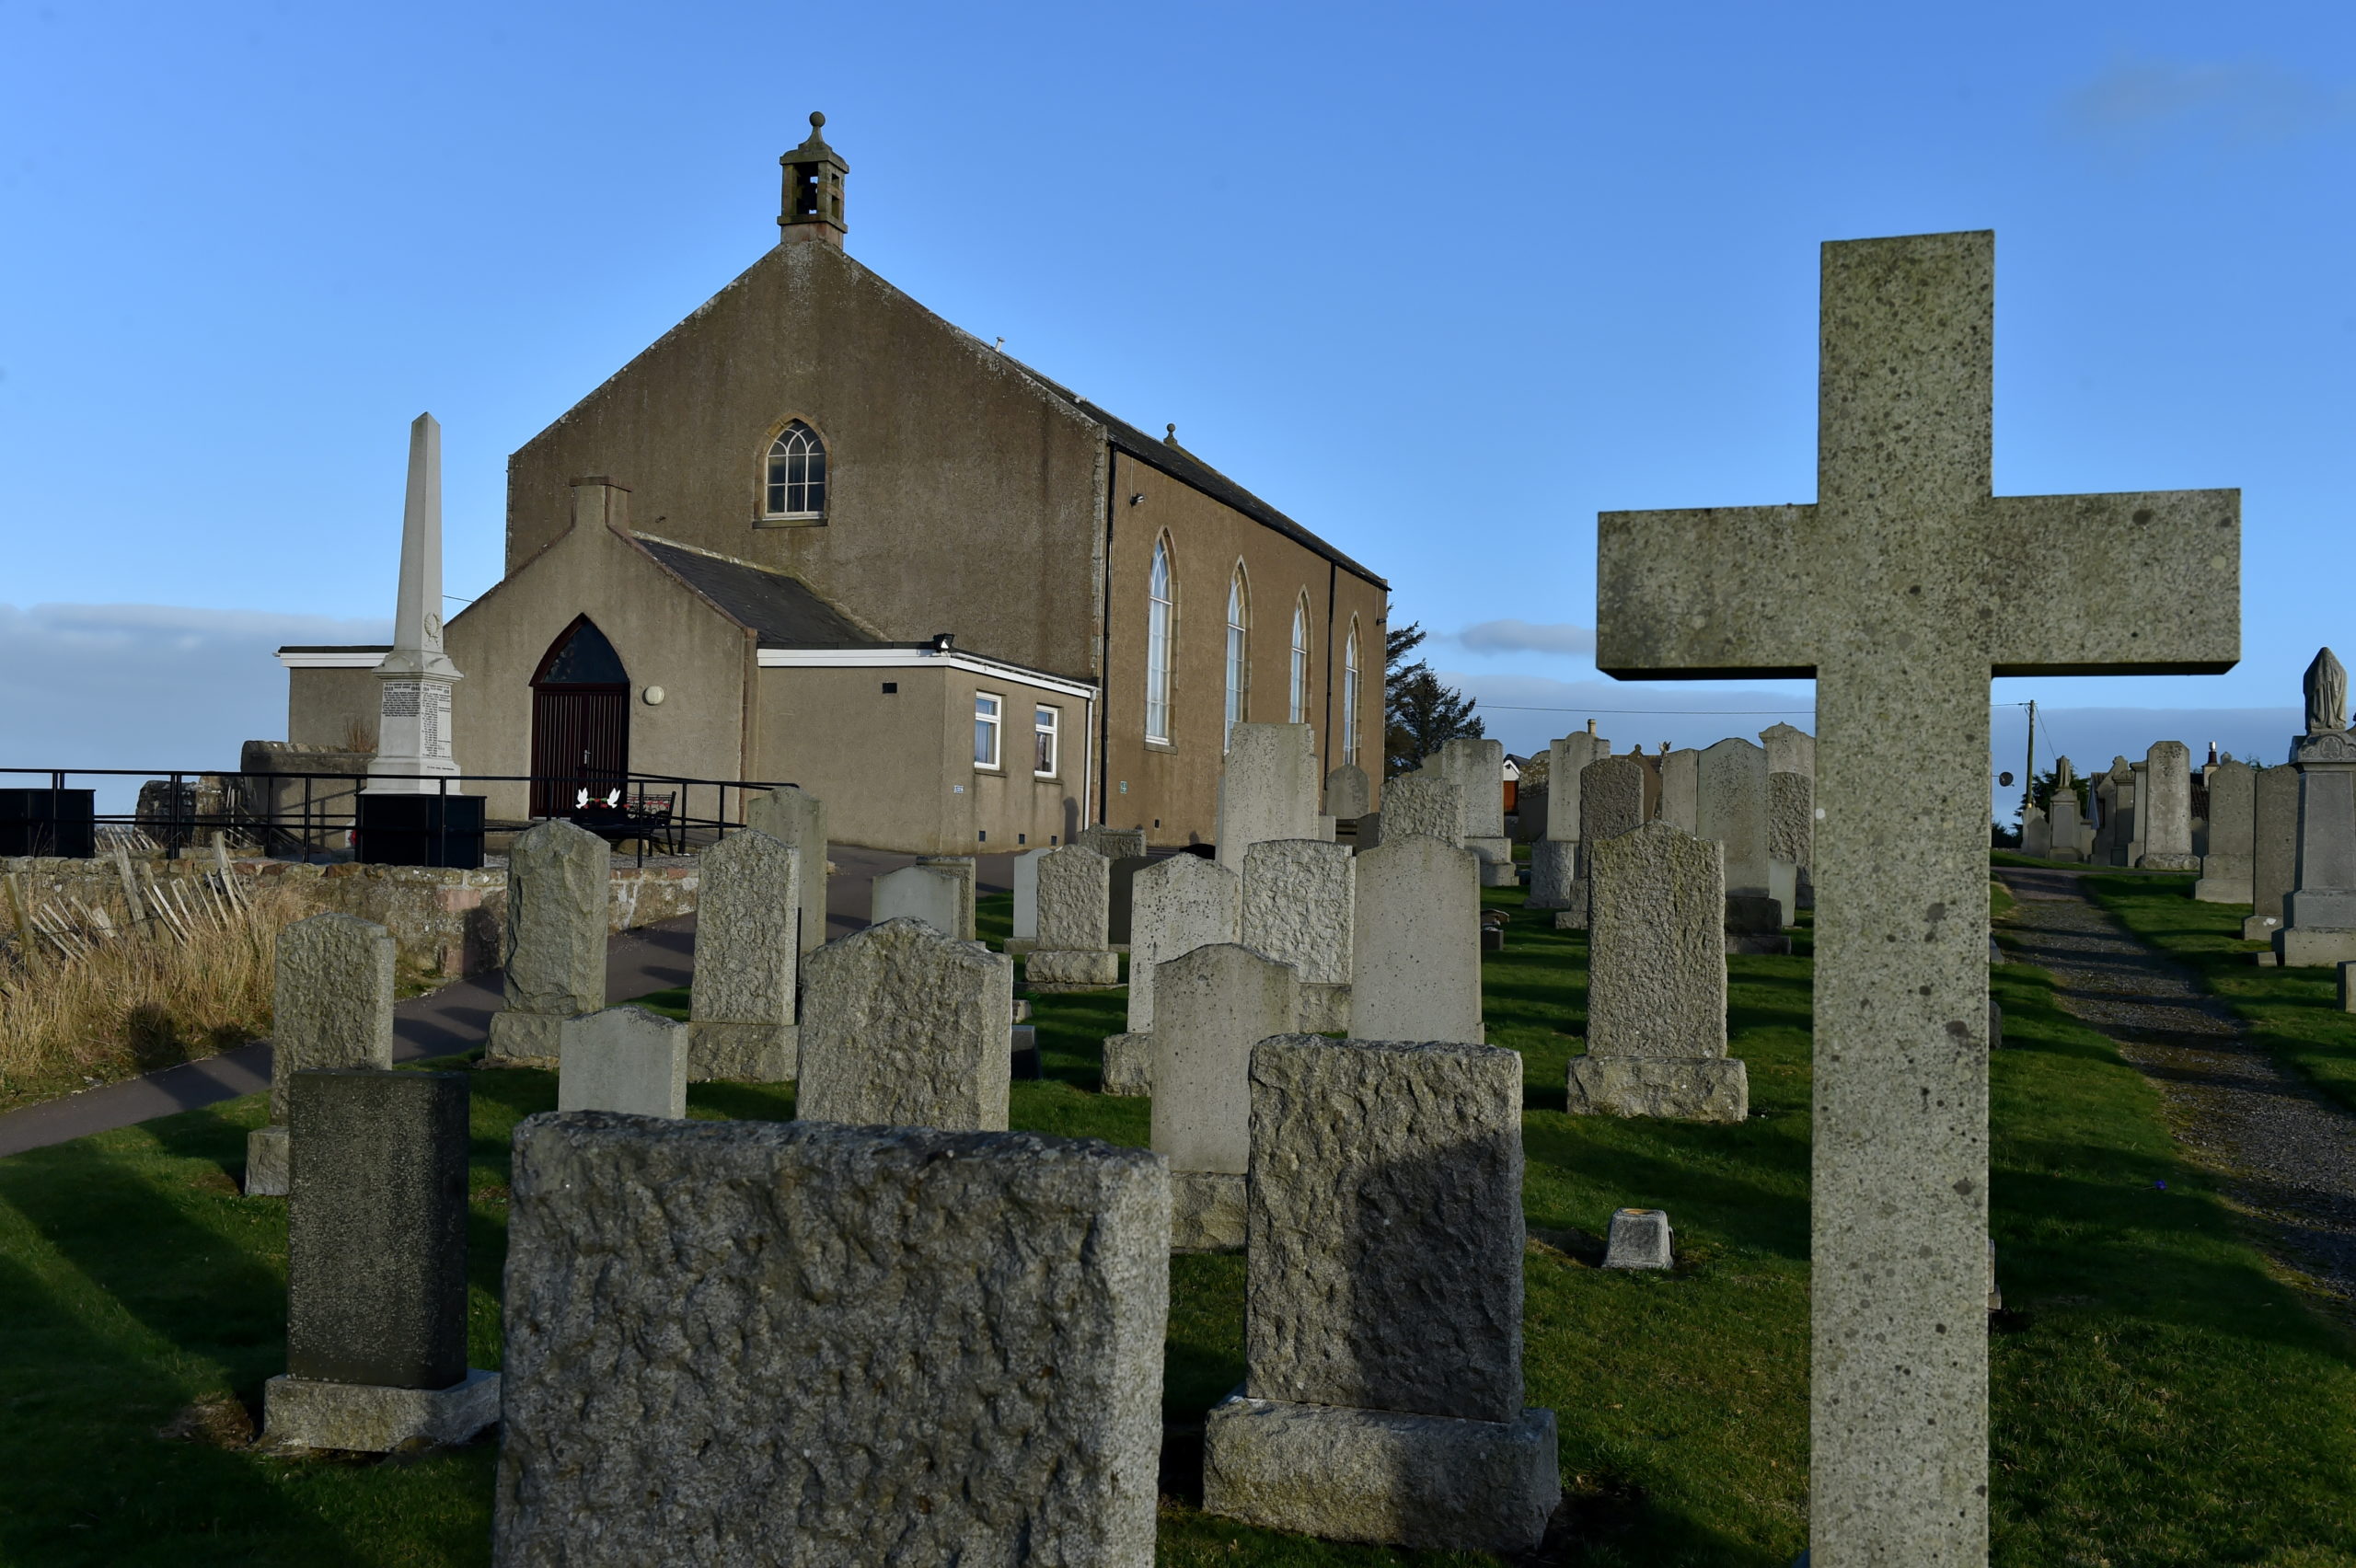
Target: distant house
{"type": "Point", "coordinates": [1513, 781]}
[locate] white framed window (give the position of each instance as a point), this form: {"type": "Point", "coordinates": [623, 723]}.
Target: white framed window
{"type": "Point", "coordinates": [796, 484]}
{"type": "Point", "coordinates": [1299, 704]}
{"type": "Point", "coordinates": [1350, 696]}
{"type": "Point", "coordinates": [1161, 609]}
{"type": "Point", "coordinates": [1239, 663]}
{"type": "Point", "coordinates": [1043, 739]}
{"type": "Point", "coordinates": [988, 716]}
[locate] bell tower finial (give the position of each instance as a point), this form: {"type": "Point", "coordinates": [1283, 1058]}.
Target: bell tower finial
{"type": "Point", "coordinates": [813, 208]}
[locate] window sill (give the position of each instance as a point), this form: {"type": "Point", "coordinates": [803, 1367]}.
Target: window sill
{"type": "Point", "coordinates": [798, 520]}
{"type": "Point", "coordinates": [1152, 745]}
{"type": "Point", "coordinates": [1046, 778]}
{"type": "Point", "coordinates": [988, 772]}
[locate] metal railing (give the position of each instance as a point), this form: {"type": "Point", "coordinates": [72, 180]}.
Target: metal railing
{"type": "Point", "coordinates": [305, 816]}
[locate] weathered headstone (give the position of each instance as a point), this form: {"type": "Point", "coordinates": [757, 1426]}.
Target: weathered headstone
{"type": "Point", "coordinates": [627, 1059]}
{"type": "Point", "coordinates": [1026, 896]}
{"type": "Point", "coordinates": [1113, 843]}
{"type": "Point", "coordinates": [331, 1007]}
{"type": "Point", "coordinates": [2069, 837]}
{"type": "Point", "coordinates": [1565, 759]}
{"type": "Point", "coordinates": [1346, 792]}
{"type": "Point", "coordinates": [1299, 899]}
{"type": "Point", "coordinates": [2274, 849]}
{"type": "Point", "coordinates": [1268, 788]}
{"type": "Point", "coordinates": [557, 876]}
{"type": "Point", "coordinates": [762, 1341]}
{"type": "Point", "coordinates": [748, 955]}
{"type": "Point", "coordinates": [376, 1266]}
{"type": "Point", "coordinates": [1790, 749]}
{"type": "Point", "coordinates": [2319, 913]}
{"type": "Point", "coordinates": [1120, 922]}
{"type": "Point", "coordinates": [1680, 788]}
{"type": "Point", "coordinates": [1732, 809]}
{"type": "Point", "coordinates": [2037, 834]}
{"type": "Point", "coordinates": [917, 892]}
{"type": "Point", "coordinates": [1415, 942]}
{"type": "Point", "coordinates": [1639, 1238]}
{"type": "Point", "coordinates": [903, 1027]}
{"type": "Point", "coordinates": [1901, 590]}
{"type": "Point", "coordinates": [962, 868]}
{"type": "Point", "coordinates": [2166, 812]}
{"type": "Point", "coordinates": [795, 816]}
{"type": "Point", "coordinates": [1179, 904]}
{"type": "Point", "coordinates": [2120, 812]}
{"type": "Point", "coordinates": [2225, 869]}
{"type": "Point", "coordinates": [1657, 983]}
{"type": "Point", "coordinates": [1426, 803]}
{"type": "Point", "coordinates": [1383, 1308]}
{"type": "Point", "coordinates": [1791, 836]}
{"type": "Point", "coordinates": [1075, 949]}
{"type": "Point", "coordinates": [1212, 1005]}
{"type": "Point", "coordinates": [1477, 768]}
{"type": "Point", "coordinates": [1611, 802]}
{"type": "Point", "coordinates": [2139, 793]}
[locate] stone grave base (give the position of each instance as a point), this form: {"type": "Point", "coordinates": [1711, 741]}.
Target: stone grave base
{"type": "Point", "coordinates": [1500, 873]}
{"type": "Point", "coordinates": [1019, 947]}
{"type": "Point", "coordinates": [1553, 865]}
{"type": "Point", "coordinates": [1324, 1009]}
{"type": "Point", "coordinates": [1574, 919]}
{"type": "Point", "coordinates": [266, 1161]}
{"type": "Point", "coordinates": [1775, 946]}
{"type": "Point", "coordinates": [2260, 928]}
{"type": "Point", "coordinates": [2312, 947]}
{"type": "Point", "coordinates": [1128, 1064]}
{"type": "Point", "coordinates": [2225, 879]}
{"type": "Point", "coordinates": [1370, 1475]}
{"type": "Point", "coordinates": [1206, 1210]}
{"type": "Point", "coordinates": [1700, 1088]}
{"type": "Point", "coordinates": [1071, 971]}
{"type": "Point", "coordinates": [524, 1040]}
{"type": "Point", "coordinates": [2169, 863]}
{"type": "Point", "coordinates": [743, 1053]}
{"type": "Point", "coordinates": [302, 1412]}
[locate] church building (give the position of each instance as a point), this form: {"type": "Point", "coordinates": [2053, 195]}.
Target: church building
{"type": "Point", "coordinates": [818, 534]}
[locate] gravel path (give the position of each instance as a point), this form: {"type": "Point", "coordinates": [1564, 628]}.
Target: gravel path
{"type": "Point", "coordinates": [2288, 1156]}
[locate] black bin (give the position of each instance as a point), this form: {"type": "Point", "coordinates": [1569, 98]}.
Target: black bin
{"type": "Point", "coordinates": [420, 830]}
{"type": "Point", "coordinates": [49, 822]}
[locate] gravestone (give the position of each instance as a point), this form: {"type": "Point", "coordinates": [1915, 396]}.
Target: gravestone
{"type": "Point", "coordinates": [2166, 812]}
{"type": "Point", "coordinates": [1075, 948]}
{"type": "Point", "coordinates": [962, 867]}
{"type": "Point", "coordinates": [1346, 793]}
{"type": "Point", "coordinates": [2037, 834]}
{"type": "Point", "coordinates": [1900, 591]}
{"type": "Point", "coordinates": [1790, 749]}
{"type": "Point", "coordinates": [796, 817]}
{"type": "Point", "coordinates": [376, 1266]}
{"type": "Point", "coordinates": [749, 956]}
{"type": "Point", "coordinates": [1732, 809]}
{"type": "Point", "coordinates": [1611, 802]}
{"type": "Point", "coordinates": [1425, 803]}
{"type": "Point", "coordinates": [1213, 1006]}
{"type": "Point", "coordinates": [331, 1007]}
{"type": "Point", "coordinates": [556, 939]}
{"type": "Point", "coordinates": [1791, 835]}
{"type": "Point", "coordinates": [903, 1027]}
{"type": "Point", "coordinates": [2274, 849]}
{"type": "Point", "coordinates": [1565, 759]}
{"type": "Point", "coordinates": [1680, 788]}
{"type": "Point", "coordinates": [2319, 912]}
{"type": "Point", "coordinates": [1267, 789]}
{"type": "Point", "coordinates": [627, 1059]}
{"type": "Point", "coordinates": [1026, 896]}
{"type": "Point", "coordinates": [1120, 927]}
{"type": "Point", "coordinates": [2226, 869]}
{"type": "Point", "coordinates": [1477, 768]}
{"type": "Point", "coordinates": [1299, 897]}
{"type": "Point", "coordinates": [1657, 983]}
{"type": "Point", "coordinates": [1639, 1238]}
{"type": "Point", "coordinates": [2140, 794]}
{"type": "Point", "coordinates": [1180, 903]}
{"type": "Point", "coordinates": [1114, 843]}
{"type": "Point", "coordinates": [766, 1341]}
{"type": "Point", "coordinates": [2118, 813]}
{"type": "Point", "coordinates": [2070, 839]}
{"type": "Point", "coordinates": [1383, 1308]}
{"type": "Point", "coordinates": [1415, 942]}
{"type": "Point", "coordinates": [918, 893]}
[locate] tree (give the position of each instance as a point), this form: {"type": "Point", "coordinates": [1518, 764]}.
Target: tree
{"type": "Point", "coordinates": [1420, 714]}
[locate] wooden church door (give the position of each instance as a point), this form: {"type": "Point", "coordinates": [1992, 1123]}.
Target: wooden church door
{"type": "Point", "coordinates": [580, 720]}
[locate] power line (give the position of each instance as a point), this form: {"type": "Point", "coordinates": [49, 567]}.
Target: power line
{"type": "Point", "coordinates": [1670, 713]}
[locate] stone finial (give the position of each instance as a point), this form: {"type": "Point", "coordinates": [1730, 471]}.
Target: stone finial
{"type": "Point", "coordinates": [2326, 685]}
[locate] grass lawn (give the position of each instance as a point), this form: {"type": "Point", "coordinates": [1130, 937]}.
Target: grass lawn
{"type": "Point", "coordinates": [2160, 1398]}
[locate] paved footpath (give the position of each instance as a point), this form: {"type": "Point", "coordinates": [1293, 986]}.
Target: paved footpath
{"type": "Point", "coordinates": [2288, 1155]}
{"type": "Point", "coordinates": [455, 1019]}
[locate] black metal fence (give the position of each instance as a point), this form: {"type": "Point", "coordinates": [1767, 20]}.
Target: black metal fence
{"type": "Point", "coordinates": [306, 817]}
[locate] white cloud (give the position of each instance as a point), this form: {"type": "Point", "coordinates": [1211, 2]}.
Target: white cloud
{"type": "Point", "coordinates": [1525, 637]}
{"type": "Point", "coordinates": [2133, 102]}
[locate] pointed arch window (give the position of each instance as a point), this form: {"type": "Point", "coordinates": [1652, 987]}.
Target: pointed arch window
{"type": "Point", "coordinates": [1161, 608]}
{"type": "Point", "coordinates": [1350, 696]}
{"type": "Point", "coordinates": [796, 485]}
{"type": "Point", "coordinates": [1239, 663]}
{"type": "Point", "coordinates": [1299, 684]}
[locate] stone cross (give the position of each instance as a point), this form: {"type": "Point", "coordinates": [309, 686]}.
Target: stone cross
{"type": "Point", "coordinates": [414, 680]}
{"type": "Point", "coordinates": [749, 956]}
{"type": "Point", "coordinates": [1901, 591]}
{"type": "Point", "coordinates": [903, 1027]}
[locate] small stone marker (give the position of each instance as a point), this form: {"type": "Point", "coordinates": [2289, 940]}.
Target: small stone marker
{"type": "Point", "coordinates": [2274, 849]}
{"type": "Point", "coordinates": [1179, 904]}
{"type": "Point", "coordinates": [1300, 900]}
{"type": "Point", "coordinates": [1075, 950]}
{"type": "Point", "coordinates": [1639, 1240]}
{"type": "Point", "coordinates": [929, 893]}
{"type": "Point", "coordinates": [557, 877]}
{"type": "Point", "coordinates": [1382, 1310]}
{"type": "Point", "coordinates": [1900, 591]}
{"type": "Point", "coordinates": [628, 1060]}
{"type": "Point", "coordinates": [798, 818]}
{"type": "Point", "coordinates": [1426, 803]}
{"type": "Point", "coordinates": [1415, 942]}
{"type": "Point", "coordinates": [1026, 896]}
{"type": "Point", "coordinates": [962, 868]}
{"type": "Point", "coordinates": [331, 1007]}
{"type": "Point", "coordinates": [2225, 869]}
{"type": "Point", "coordinates": [1657, 984]}
{"type": "Point", "coordinates": [1114, 843]}
{"type": "Point", "coordinates": [761, 1341]}
{"type": "Point", "coordinates": [903, 1027]}
{"type": "Point", "coordinates": [1268, 788]}
{"type": "Point", "coordinates": [2167, 809]}
{"type": "Point", "coordinates": [1212, 1007]}
{"type": "Point", "coordinates": [748, 957]}
{"type": "Point", "coordinates": [376, 1266]}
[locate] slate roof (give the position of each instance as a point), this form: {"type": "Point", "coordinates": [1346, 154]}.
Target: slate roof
{"type": "Point", "coordinates": [784, 612]}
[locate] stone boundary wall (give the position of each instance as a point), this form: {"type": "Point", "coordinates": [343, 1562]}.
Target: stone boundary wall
{"type": "Point", "coordinates": [447, 924]}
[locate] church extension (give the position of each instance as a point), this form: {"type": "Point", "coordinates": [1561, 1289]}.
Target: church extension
{"type": "Point", "coordinates": [832, 540]}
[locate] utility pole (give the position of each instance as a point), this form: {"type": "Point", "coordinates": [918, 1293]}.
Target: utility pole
{"type": "Point", "coordinates": [2028, 786]}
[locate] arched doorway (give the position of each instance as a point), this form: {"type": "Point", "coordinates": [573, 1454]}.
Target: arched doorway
{"type": "Point", "coordinates": [580, 720]}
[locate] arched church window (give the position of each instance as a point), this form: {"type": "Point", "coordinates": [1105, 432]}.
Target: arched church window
{"type": "Point", "coordinates": [797, 474]}
{"type": "Point", "coordinates": [1160, 608]}
{"type": "Point", "coordinates": [1350, 696]}
{"type": "Point", "coordinates": [1299, 683]}
{"type": "Point", "coordinates": [1238, 664]}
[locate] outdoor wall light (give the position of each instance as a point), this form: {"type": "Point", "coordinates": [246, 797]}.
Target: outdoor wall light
{"type": "Point", "coordinates": [655, 696]}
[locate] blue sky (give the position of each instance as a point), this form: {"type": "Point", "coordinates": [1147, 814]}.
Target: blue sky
{"type": "Point", "coordinates": [1440, 282]}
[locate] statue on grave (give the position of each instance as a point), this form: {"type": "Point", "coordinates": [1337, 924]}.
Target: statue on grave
{"type": "Point", "coordinates": [2064, 779]}
{"type": "Point", "coordinates": [2325, 684]}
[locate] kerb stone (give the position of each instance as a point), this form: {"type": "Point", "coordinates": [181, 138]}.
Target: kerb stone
{"type": "Point", "coordinates": [626, 1059]}
{"type": "Point", "coordinates": [749, 958]}
{"type": "Point", "coordinates": [903, 1027]}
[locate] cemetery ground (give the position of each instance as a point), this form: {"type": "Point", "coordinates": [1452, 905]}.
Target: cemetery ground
{"type": "Point", "coordinates": [2162, 1393]}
